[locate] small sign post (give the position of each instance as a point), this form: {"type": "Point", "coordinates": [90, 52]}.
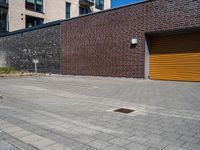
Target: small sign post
{"type": "Point", "coordinates": [35, 61]}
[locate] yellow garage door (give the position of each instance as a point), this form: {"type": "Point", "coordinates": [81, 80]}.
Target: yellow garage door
{"type": "Point", "coordinates": [175, 57]}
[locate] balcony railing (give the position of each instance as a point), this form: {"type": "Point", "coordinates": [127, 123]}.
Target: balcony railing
{"type": "Point", "coordinates": [87, 2]}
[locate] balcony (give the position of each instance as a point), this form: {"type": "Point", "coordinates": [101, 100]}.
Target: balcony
{"type": "Point", "coordinates": [4, 3]}
{"type": "Point", "coordinates": [88, 3]}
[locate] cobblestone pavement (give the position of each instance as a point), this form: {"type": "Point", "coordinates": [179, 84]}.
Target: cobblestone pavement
{"type": "Point", "coordinates": [76, 113]}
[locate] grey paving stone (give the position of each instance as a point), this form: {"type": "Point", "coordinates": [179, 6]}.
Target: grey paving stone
{"type": "Point", "coordinates": [138, 139]}
{"type": "Point", "coordinates": [41, 131]}
{"type": "Point", "coordinates": [84, 139]}
{"type": "Point", "coordinates": [99, 144]}
{"type": "Point", "coordinates": [156, 144]}
{"type": "Point", "coordinates": [75, 145]}
{"type": "Point", "coordinates": [6, 146]}
{"type": "Point", "coordinates": [37, 141]}
{"type": "Point", "coordinates": [197, 135]}
{"type": "Point", "coordinates": [156, 137]}
{"type": "Point", "coordinates": [136, 146]}
{"type": "Point", "coordinates": [92, 148]}
{"type": "Point", "coordinates": [170, 147]}
{"type": "Point", "coordinates": [104, 136]}
{"type": "Point", "coordinates": [20, 133]}
{"type": "Point", "coordinates": [64, 140]}
{"type": "Point", "coordinates": [82, 147]}
{"type": "Point", "coordinates": [32, 128]}
{"type": "Point", "coordinates": [119, 141]}
{"type": "Point", "coordinates": [19, 144]}
{"type": "Point", "coordinates": [191, 146]}
{"type": "Point", "coordinates": [151, 148]}
{"type": "Point", "coordinates": [140, 133]}
{"type": "Point", "coordinates": [171, 135]}
{"type": "Point", "coordinates": [70, 133]}
{"type": "Point", "coordinates": [155, 131]}
{"type": "Point", "coordinates": [114, 147]}
{"type": "Point", "coordinates": [186, 132]}
{"type": "Point", "coordinates": [190, 139]}
{"type": "Point", "coordinates": [174, 142]}
{"type": "Point", "coordinates": [56, 147]}
{"type": "Point", "coordinates": [52, 136]}
{"type": "Point", "coordinates": [12, 129]}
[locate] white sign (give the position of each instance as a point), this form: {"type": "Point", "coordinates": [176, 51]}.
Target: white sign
{"type": "Point", "coordinates": [35, 61]}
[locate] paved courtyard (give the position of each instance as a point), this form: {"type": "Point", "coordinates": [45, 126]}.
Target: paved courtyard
{"type": "Point", "coordinates": [76, 113]}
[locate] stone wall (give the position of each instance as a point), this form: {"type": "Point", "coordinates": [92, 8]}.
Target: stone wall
{"type": "Point", "coordinates": [18, 50]}
{"type": "Point", "coordinates": [100, 44]}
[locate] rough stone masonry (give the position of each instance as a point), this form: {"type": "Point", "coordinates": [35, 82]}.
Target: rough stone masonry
{"type": "Point", "coordinates": [18, 50]}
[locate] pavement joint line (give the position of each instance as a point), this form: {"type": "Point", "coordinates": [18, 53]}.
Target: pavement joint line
{"type": "Point", "coordinates": [14, 145]}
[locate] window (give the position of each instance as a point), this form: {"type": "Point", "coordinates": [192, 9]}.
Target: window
{"type": "Point", "coordinates": [39, 5]}
{"type": "Point", "coordinates": [3, 19]}
{"type": "Point", "coordinates": [99, 4]}
{"type": "Point", "coordinates": [34, 5]}
{"type": "Point", "coordinates": [33, 21]}
{"type": "Point", "coordinates": [67, 10]}
{"type": "Point", "coordinates": [83, 10]}
{"type": "Point", "coordinates": [30, 5]}
{"type": "Point", "coordinates": [3, 1]}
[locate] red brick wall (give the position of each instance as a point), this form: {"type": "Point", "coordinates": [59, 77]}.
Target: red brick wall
{"type": "Point", "coordinates": [100, 44]}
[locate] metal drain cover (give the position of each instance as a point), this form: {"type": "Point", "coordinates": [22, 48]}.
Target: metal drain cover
{"type": "Point", "coordinates": [124, 110]}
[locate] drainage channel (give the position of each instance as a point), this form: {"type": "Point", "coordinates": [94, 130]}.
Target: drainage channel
{"type": "Point", "coordinates": [124, 110]}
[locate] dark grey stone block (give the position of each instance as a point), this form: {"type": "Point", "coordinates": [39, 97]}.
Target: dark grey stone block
{"type": "Point", "coordinates": [19, 50]}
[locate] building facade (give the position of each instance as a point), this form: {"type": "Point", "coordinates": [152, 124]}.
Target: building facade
{"type": "Point", "coordinates": [28, 13]}
{"type": "Point", "coordinates": [157, 39]}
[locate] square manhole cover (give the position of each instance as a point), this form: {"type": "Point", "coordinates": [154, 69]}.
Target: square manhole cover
{"type": "Point", "coordinates": [124, 110]}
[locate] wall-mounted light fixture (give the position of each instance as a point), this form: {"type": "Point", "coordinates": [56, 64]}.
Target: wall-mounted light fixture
{"type": "Point", "coordinates": [134, 41]}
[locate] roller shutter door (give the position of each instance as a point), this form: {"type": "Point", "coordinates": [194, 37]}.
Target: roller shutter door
{"type": "Point", "coordinates": [175, 57]}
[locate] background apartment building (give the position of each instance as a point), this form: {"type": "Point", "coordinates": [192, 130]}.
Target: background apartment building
{"type": "Point", "coordinates": [19, 14]}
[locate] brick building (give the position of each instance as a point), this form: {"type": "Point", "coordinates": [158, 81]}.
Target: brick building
{"type": "Point", "coordinates": [156, 39]}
